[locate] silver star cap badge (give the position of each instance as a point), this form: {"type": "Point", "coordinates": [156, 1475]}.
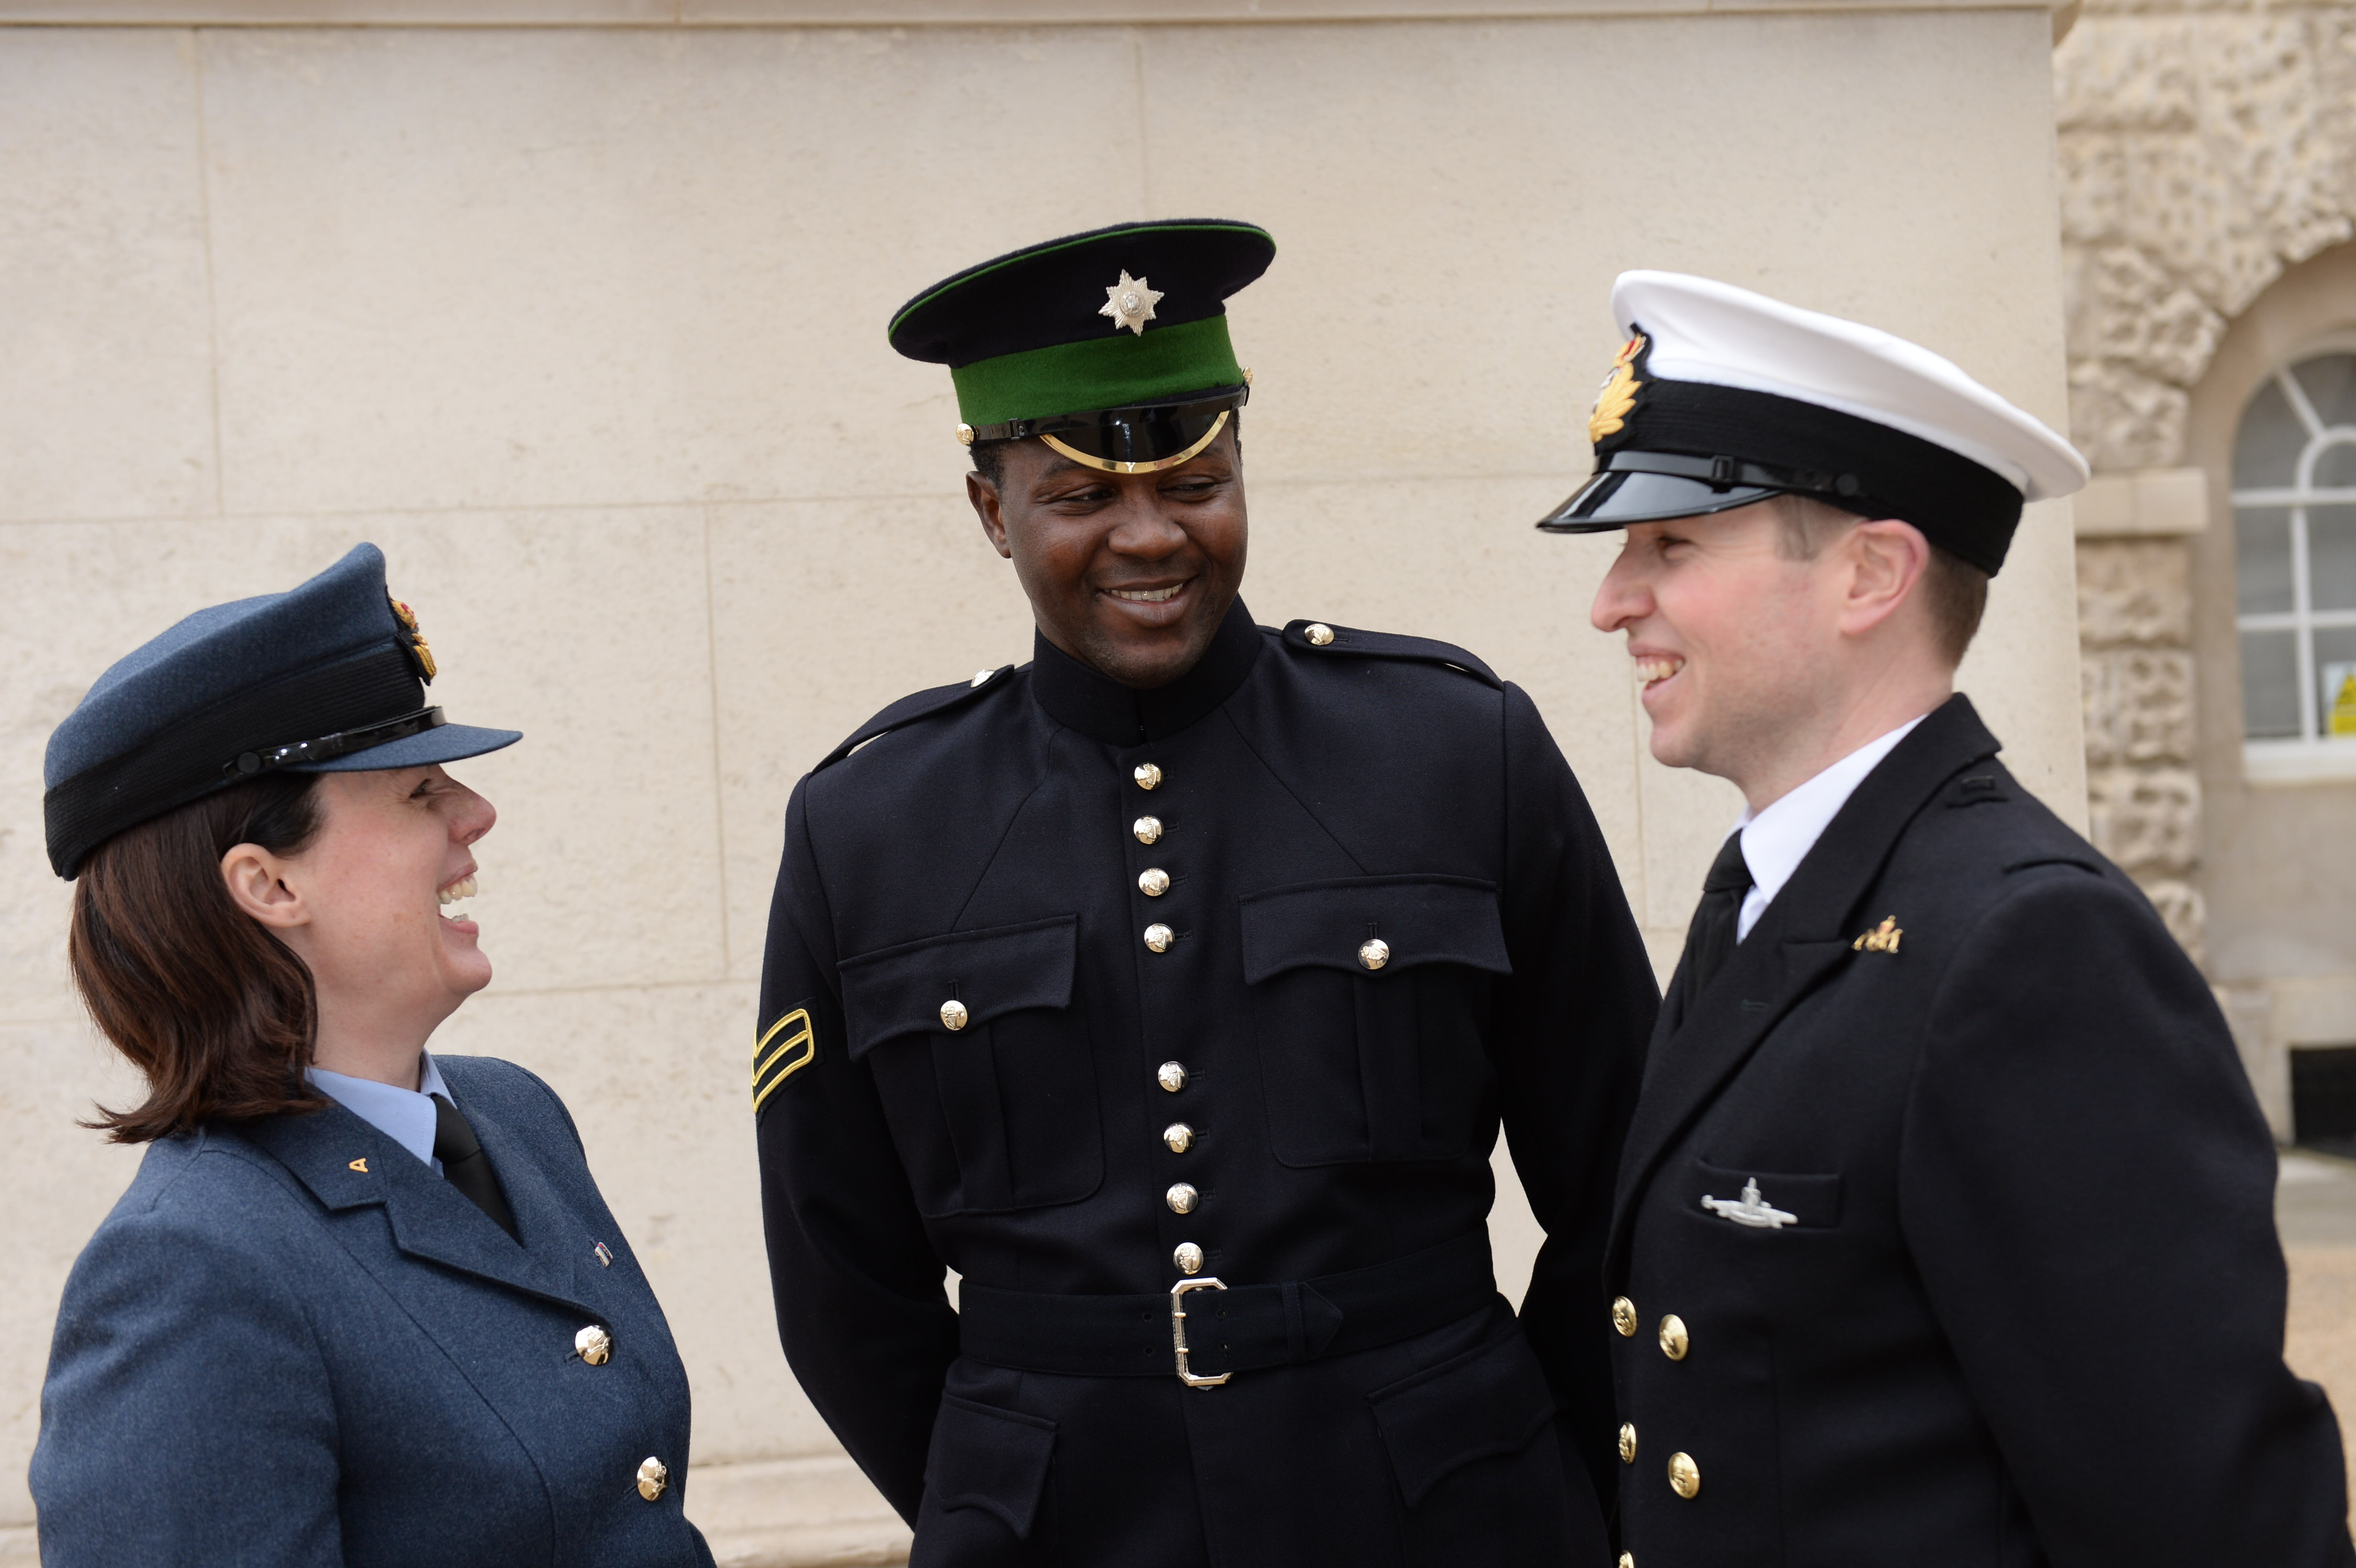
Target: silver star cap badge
{"type": "Point", "coordinates": [1129, 302]}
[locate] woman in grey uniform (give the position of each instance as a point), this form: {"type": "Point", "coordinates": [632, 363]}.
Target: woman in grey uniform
{"type": "Point", "coordinates": [362, 1304]}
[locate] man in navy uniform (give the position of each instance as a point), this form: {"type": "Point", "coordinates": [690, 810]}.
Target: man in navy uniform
{"type": "Point", "coordinates": [1169, 988]}
{"type": "Point", "coordinates": [1944, 1229]}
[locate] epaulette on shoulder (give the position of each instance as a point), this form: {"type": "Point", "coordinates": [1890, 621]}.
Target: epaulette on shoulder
{"type": "Point", "coordinates": [915, 706]}
{"type": "Point", "coordinates": [1322, 639]}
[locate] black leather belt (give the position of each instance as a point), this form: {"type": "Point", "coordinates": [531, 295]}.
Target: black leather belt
{"type": "Point", "coordinates": [1206, 1331]}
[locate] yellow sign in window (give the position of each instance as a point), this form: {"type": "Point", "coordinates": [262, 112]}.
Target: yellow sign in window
{"type": "Point", "coordinates": [2340, 684]}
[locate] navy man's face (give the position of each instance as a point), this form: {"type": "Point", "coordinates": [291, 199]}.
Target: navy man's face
{"type": "Point", "coordinates": [1129, 573]}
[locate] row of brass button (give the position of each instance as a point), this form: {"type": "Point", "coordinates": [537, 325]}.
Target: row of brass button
{"type": "Point", "coordinates": [594, 1346]}
{"type": "Point", "coordinates": [1153, 882]}
{"type": "Point", "coordinates": [1685, 1476]}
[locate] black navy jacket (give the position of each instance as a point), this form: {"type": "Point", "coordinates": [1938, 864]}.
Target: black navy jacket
{"type": "Point", "coordinates": [982, 847]}
{"type": "Point", "coordinates": [293, 1345]}
{"type": "Point", "coordinates": [2008, 1291]}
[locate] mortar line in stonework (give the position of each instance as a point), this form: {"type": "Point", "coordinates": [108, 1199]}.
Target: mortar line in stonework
{"type": "Point", "coordinates": [212, 301]}
{"type": "Point", "coordinates": [1144, 143]}
{"type": "Point", "coordinates": [719, 791]}
{"type": "Point", "coordinates": [479, 509]}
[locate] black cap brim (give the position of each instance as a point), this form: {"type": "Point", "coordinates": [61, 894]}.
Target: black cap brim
{"type": "Point", "coordinates": [1614, 500]}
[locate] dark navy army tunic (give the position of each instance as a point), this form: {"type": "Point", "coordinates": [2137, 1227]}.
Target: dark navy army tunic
{"type": "Point", "coordinates": [292, 1344]}
{"type": "Point", "coordinates": [1945, 1232]}
{"type": "Point", "coordinates": [1068, 982]}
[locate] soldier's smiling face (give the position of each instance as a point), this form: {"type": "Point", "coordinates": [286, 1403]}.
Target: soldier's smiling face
{"type": "Point", "coordinates": [1734, 640]}
{"type": "Point", "coordinates": [1129, 573]}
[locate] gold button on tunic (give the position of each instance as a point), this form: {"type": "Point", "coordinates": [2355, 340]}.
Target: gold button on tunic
{"type": "Point", "coordinates": [1188, 1257]}
{"type": "Point", "coordinates": [1146, 774]}
{"type": "Point", "coordinates": [1147, 828]}
{"type": "Point", "coordinates": [1373, 952]}
{"type": "Point", "coordinates": [1674, 1341]}
{"type": "Point", "coordinates": [1179, 1136]}
{"type": "Point", "coordinates": [593, 1345]}
{"type": "Point", "coordinates": [1685, 1476]}
{"type": "Point", "coordinates": [1180, 1197]}
{"type": "Point", "coordinates": [1627, 1441]}
{"type": "Point", "coordinates": [1153, 882]}
{"type": "Point", "coordinates": [1172, 1076]}
{"type": "Point", "coordinates": [654, 1479]}
{"type": "Point", "coordinates": [1623, 1317]}
{"type": "Point", "coordinates": [1159, 937]}
{"type": "Point", "coordinates": [953, 1015]}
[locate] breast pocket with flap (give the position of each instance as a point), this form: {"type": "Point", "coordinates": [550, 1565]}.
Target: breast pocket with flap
{"type": "Point", "coordinates": [1371, 1002]}
{"type": "Point", "coordinates": [983, 1066]}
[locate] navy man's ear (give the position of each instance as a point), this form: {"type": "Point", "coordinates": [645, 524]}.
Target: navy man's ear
{"type": "Point", "coordinates": [1883, 561]}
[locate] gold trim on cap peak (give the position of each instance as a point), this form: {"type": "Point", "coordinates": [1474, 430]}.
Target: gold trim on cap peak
{"type": "Point", "coordinates": [1154, 466]}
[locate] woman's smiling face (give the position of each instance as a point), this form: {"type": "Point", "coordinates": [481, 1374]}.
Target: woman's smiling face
{"type": "Point", "coordinates": [391, 849]}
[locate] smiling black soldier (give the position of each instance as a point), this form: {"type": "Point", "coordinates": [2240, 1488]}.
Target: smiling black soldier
{"type": "Point", "coordinates": [1187, 969]}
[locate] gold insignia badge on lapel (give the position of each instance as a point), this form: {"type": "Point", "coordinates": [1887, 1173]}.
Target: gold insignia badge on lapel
{"type": "Point", "coordinates": [1619, 393]}
{"type": "Point", "coordinates": [420, 654]}
{"type": "Point", "coordinates": [358, 1164]}
{"type": "Point", "coordinates": [1129, 302]}
{"type": "Point", "coordinates": [1882, 938]}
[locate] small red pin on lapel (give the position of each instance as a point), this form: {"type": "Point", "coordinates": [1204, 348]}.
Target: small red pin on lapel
{"type": "Point", "coordinates": [605, 1256]}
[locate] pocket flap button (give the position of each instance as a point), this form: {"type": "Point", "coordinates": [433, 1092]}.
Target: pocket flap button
{"type": "Point", "coordinates": [953, 1015]}
{"type": "Point", "coordinates": [1373, 952]}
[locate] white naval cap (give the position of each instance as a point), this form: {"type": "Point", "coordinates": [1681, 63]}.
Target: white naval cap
{"type": "Point", "coordinates": [1723, 397]}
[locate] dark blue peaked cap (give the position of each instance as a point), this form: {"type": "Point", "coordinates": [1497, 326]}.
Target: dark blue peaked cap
{"type": "Point", "coordinates": [327, 678]}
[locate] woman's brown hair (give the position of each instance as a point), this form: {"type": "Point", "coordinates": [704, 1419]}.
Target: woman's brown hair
{"type": "Point", "coordinates": [218, 1013]}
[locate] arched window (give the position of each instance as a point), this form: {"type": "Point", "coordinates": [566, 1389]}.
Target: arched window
{"type": "Point", "coordinates": [2295, 559]}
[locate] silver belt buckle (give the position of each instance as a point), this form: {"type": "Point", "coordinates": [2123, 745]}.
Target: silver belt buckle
{"type": "Point", "coordinates": [1178, 1330]}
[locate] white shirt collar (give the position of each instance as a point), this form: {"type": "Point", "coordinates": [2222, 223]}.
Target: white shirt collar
{"type": "Point", "coordinates": [1774, 841]}
{"type": "Point", "coordinates": [405, 1116]}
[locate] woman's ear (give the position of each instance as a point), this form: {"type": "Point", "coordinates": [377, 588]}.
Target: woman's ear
{"type": "Point", "coordinates": [252, 875]}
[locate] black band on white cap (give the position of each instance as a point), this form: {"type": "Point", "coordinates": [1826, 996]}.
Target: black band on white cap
{"type": "Point", "coordinates": [1700, 448]}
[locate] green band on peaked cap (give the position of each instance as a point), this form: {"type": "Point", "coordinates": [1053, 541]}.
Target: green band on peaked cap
{"type": "Point", "coordinates": [1101, 373]}
{"type": "Point", "coordinates": [1110, 319]}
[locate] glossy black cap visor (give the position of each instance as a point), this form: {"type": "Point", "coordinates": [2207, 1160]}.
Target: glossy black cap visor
{"type": "Point", "coordinates": [1140, 440]}
{"type": "Point", "coordinates": [1614, 500]}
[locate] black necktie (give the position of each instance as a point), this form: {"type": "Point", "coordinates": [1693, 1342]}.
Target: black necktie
{"type": "Point", "coordinates": [467, 1168]}
{"type": "Point", "coordinates": [1709, 941]}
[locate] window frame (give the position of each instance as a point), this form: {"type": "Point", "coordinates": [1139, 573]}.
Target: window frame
{"type": "Point", "coordinates": [2311, 755]}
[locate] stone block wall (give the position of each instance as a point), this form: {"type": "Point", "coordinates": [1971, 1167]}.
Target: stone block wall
{"type": "Point", "coordinates": [2136, 669]}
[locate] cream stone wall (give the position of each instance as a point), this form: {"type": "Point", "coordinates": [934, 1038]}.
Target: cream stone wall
{"type": "Point", "coordinates": [2208, 182]}
{"type": "Point", "coordinates": [583, 324]}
